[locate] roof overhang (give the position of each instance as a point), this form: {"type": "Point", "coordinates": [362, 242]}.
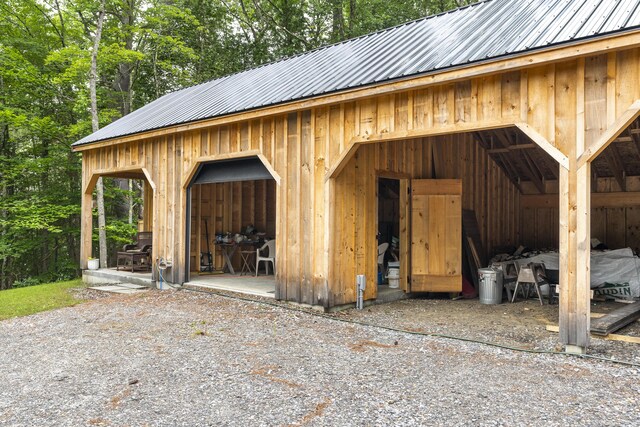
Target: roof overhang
{"type": "Point", "coordinates": [558, 53]}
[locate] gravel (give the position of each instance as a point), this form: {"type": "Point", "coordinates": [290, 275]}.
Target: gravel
{"type": "Point", "coordinates": [179, 358]}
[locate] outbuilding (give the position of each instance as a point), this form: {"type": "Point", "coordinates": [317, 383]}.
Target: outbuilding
{"type": "Point", "coordinates": [523, 112]}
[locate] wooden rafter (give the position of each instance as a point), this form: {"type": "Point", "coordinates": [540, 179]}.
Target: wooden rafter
{"type": "Point", "coordinates": [635, 137]}
{"type": "Point", "coordinates": [532, 174]}
{"type": "Point", "coordinates": [501, 160]}
{"type": "Point", "coordinates": [616, 165]}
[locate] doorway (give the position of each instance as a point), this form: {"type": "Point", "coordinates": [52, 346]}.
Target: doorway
{"type": "Point", "coordinates": [231, 214]}
{"type": "Point", "coordinates": [388, 233]}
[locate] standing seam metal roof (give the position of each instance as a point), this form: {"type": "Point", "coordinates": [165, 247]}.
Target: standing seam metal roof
{"type": "Point", "coordinates": [482, 31]}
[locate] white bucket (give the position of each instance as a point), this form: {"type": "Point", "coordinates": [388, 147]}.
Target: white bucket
{"type": "Point", "coordinates": [394, 278]}
{"type": "Point", "coordinates": [93, 264]}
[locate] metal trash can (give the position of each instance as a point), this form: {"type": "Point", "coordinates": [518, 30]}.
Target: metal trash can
{"type": "Point", "coordinates": [490, 280]}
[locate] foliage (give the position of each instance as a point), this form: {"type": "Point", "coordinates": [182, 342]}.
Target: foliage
{"type": "Point", "coordinates": [148, 48]}
{"type": "Point", "coordinates": [34, 299]}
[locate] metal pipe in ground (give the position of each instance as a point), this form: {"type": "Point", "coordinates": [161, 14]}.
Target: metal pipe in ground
{"type": "Point", "coordinates": [361, 284]}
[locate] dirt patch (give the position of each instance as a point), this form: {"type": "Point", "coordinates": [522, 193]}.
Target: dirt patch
{"type": "Point", "coordinates": [268, 373]}
{"type": "Point", "coordinates": [315, 413]}
{"type": "Point", "coordinates": [361, 345]}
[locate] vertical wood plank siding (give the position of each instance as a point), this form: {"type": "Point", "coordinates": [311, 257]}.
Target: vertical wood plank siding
{"type": "Point", "coordinates": [326, 227]}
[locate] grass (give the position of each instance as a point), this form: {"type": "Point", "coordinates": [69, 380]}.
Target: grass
{"type": "Point", "coordinates": [34, 299]}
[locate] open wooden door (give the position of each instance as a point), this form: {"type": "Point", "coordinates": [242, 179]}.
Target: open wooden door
{"type": "Point", "coordinates": [436, 235]}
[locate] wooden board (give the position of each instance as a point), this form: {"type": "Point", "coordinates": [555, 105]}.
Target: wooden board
{"type": "Point", "coordinates": [436, 235]}
{"type": "Point", "coordinates": [472, 244]}
{"type": "Point", "coordinates": [617, 319]}
{"type": "Point", "coordinates": [610, 337]}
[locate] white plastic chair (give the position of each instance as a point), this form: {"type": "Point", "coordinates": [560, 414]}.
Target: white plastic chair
{"type": "Point", "coordinates": [382, 248]}
{"type": "Point", "coordinates": [270, 245]}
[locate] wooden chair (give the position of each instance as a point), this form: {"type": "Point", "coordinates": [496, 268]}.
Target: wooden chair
{"type": "Point", "coordinates": [138, 254]}
{"type": "Point", "coordinates": [246, 256]}
{"type": "Point", "coordinates": [270, 257]}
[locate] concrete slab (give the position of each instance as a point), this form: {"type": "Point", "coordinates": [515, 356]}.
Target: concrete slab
{"type": "Point", "coordinates": [105, 276]}
{"type": "Point", "coordinates": [123, 288]}
{"type": "Point", "coordinates": [387, 294]}
{"type": "Point", "coordinates": [262, 286]}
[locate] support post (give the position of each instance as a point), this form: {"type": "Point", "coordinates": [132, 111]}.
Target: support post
{"type": "Point", "coordinates": [86, 229]}
{"type": "Point", "coordinates": [575, 254]}
{"type": "Point", "coordinates": [86, 218]}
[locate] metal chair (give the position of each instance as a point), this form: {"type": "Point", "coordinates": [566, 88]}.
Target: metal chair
{"type": "Point", "coordinates": [270, 257]}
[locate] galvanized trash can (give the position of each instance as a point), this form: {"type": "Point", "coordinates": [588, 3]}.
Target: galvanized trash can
{"type": "Point", "coordinates": [490, 280]}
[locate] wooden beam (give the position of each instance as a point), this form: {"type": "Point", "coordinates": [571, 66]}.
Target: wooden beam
{"type": "Point", "coordinates": [342, 161]}
{"type": "Point", "coordinates": [459, 127]}
{"type": "Point", "coordinates": [229, 156]}
{"type": "Point", "coordinates": [542, 142]}
{"type": "Point", "coordinates": [610, 337]}
{"type": "Point", "coordinates": [609, 135]}
{"type": "Point", "coordinates": [553, 54]}
{"type": "Point", "coordinates": [617, 167]}
{"type": "Point", "coordinates": [636, 141]}
{"type": "Point", "coordinates": [531, 173]}
{"type": "Point", "coordinates": [124, 172]}
{"type": "Point", "coordinates": [618, 199]}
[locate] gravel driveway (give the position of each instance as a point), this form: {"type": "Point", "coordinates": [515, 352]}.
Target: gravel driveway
{"type": "Point", "coordinates": [188, 359]}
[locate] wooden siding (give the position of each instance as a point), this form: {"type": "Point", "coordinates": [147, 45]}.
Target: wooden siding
{"type": "Point", "coordinates": [614, 222]}
{"type": "Point", "coordinates": [328, 157]}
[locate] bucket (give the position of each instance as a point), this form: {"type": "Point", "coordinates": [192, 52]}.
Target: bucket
{"type": "Point", "coordinates": [394, 277]}
{"type": "Point", "coordinates": [490, 285]}
{"type": "Point", "coordinates": [93, 264]}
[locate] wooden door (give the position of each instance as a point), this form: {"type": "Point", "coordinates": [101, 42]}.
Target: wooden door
{"type": "Point", "coordinates": [436, 235]}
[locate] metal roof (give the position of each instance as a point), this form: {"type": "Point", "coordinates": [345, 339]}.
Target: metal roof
{"type": "Point", "coordinates": [480, 32]}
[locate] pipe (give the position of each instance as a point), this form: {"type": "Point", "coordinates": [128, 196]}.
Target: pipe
{"type": "Point", "coordinates": [361, 284]}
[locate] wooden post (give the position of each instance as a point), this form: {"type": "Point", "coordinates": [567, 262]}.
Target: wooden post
{"type": "Point", "coordinates": [86, 227]}
{"type": "Point", "coordinates": [575, 253]}
{"type": "Point", "coordinates": [575, 215]}
{"type": "Point", "coordinates": [86, 214]}
{"type": "Point", "coordinates": [147, 215]}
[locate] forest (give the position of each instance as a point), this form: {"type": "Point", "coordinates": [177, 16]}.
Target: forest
{"type": "Point", "coordinates": [142, 49]}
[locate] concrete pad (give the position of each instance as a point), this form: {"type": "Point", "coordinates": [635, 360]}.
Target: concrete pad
{"type": "Point", "coordinates": [123, 288]}
{"type": "Point", "coordinates": [115, 277]}
{"type": "Point", "coordinates": [131, 286]}
{"type": "Point", "coordinates": [262, 286]}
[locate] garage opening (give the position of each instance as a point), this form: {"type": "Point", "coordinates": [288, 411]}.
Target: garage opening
{"type": "Point", "coordinates": [232, 217]}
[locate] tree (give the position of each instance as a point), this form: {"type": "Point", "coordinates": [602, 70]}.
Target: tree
{"type": "Point", "coordinates": [53, 83]}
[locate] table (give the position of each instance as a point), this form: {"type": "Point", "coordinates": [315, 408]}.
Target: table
{"type": "Point", "coordinates": [229, 249]}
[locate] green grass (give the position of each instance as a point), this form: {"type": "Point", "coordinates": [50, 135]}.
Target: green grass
{"type": "Point", "coordinates": [34, 299]}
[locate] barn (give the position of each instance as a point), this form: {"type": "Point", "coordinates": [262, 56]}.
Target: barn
{"type": "Point", "coordinates": [524, 113]}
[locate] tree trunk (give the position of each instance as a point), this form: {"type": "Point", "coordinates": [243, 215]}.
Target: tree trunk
{"type": "Point", "coordinates": [337, 27]}
{"type": "Point", "coordinates": [130, 201]}
{"type": "Point", "coordinates": [95, 125]}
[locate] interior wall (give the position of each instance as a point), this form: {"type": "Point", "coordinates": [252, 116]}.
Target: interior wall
{"type": "Point", "coordinates": [615, 226]}
{"type": "Point", "coordinates": [230, 207]}
{"type": "Point", "coordinates": [486, 190]}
